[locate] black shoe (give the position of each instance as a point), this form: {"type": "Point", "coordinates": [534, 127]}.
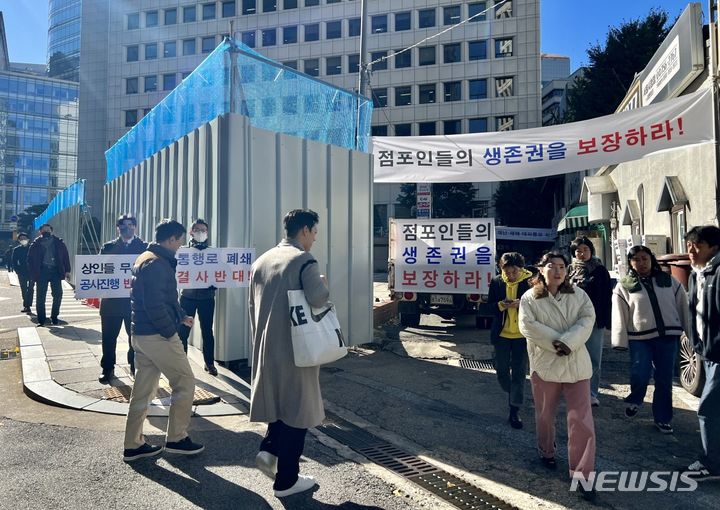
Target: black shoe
{"type": "Point", "coordinates": [664, 428]}
{"type": "Point", "coordinates": [184, 447]}
{"type": "Point", "coordinates": [211, 370]}
{"type": "Point", "coordinates": [40, 323]}
{"type": "Point", "coordinates": [146, 450]}
{"type": "Point", "coordinates": [106, 376]}
{"type": "Point", "coordinates": [55, 321]}
{"type": "Point", "coordinates": [587, 494]}
{"type": "Point", "coordinates": [549, 462]}
{"type": "Point", "coordinates": [514, 419]}
{"type": "Point", "coordinates": [632, 410]}
{"type": "Point", "coordinates": [25, 310]}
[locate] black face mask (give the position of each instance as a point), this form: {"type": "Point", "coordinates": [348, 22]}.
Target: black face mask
{"type": "Point", "coordinates": [46, 234]}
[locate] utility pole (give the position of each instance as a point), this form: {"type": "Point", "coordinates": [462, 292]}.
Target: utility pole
{"type": "Point", "coordinates": [362, 71]}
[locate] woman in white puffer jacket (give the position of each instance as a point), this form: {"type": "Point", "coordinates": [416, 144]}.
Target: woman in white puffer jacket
{"type": "Point", "coordinates": [557, 319]}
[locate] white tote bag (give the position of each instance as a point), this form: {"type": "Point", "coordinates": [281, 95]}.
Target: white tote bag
{"type": "Point", "coordinates": [316, 335]}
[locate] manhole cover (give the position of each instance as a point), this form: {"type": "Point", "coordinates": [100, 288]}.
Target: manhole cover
{"type": "Point", "coordinates": [122, 394]}
{"type": "Point", "coordinates": [473, 364]}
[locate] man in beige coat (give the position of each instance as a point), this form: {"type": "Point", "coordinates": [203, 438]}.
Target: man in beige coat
{"type": "Point", "coordinates": [284, 396]}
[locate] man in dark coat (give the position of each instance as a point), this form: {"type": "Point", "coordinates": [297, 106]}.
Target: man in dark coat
{"type": "Point", "coordinates": [116, 311]}
{"type": "Point", "coordinates": [18, 264]}
{"type": "Point", "coordinates": [49, 263]}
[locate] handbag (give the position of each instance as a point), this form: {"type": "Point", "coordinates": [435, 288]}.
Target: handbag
{"type": "Point", "coordinates": [316, 335]}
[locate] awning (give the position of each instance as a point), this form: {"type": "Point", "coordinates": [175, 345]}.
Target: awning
{"type": "Point", "coordinates": [672, 194]}
{"type": "Point", "coordinates": [631, 213]}
{"type": "Point", "coordinates": [575, 219]}
{"type": "Point", "coordinates": [599, 192]}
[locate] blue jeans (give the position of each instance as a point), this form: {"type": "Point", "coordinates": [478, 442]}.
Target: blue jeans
{"type": "Point", "coordinates": [657, 353]}
{"type": "Point", "coordinates": [709, 416]}
{"type": "Point", "coordinates": [594, 346]}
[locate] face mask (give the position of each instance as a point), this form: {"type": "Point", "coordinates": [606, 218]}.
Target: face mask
{"type": "Point", "coordinates": [126, 231]}
{"type": "Point", "coordinates": [23, 242]}
{"type": "Point", "coordinates": [200, 237]}
{"type": "Point", "coordinates": [46, 234]}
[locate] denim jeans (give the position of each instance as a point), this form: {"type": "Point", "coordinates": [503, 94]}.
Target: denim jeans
{"type": "Point", "coordinates": [594, 346]}
{"type": "Point", "coordinates": [657, 353]}
{"type": "Point", "coordinates": [709, 416]}
{"type": "Point", "coordinates": [511, 364]}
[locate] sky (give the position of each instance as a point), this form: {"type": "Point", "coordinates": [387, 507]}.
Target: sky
{"type": "Point", "coordinates": [568, 27]}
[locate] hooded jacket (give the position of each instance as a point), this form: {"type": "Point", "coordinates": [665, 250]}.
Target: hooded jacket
{"type": "Point", "coordinates": [707, 345]}
{"type": "Point", "coordinates": [506, 319]}
{"type": "Point", "coordinates": [594, 279]}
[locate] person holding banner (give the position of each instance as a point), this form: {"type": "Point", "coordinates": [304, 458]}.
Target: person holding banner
{"type": "Point", "coordinates": [49, 263]}
{"type": "Point", "coordinates": [510, 346]}
{"type": "Point", "coordinates": [156, 315]}
{"type": "Point", "coordinates": [18, 264]}
{"type": "Point", "coordinates": [557, 319]}
{"type": "Point", "coordinates": [284, 396]}
{"type": "Point", "coordinates": [116, 311]}
{"type": "Point", "coordinates": [200, 301]}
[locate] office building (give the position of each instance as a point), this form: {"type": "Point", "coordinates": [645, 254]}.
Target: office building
{"type": "Point", "coordinates": [63, 54]}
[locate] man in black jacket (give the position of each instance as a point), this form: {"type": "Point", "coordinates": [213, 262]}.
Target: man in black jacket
{"type": "Point", "coordinates": [49, 263]}
{"type": "Point", "coordinates": [201, 301]}
{"type": "Point", "coordinates": [703, 245]}
{"type": "Point", "coordinates": [156, 316]}
{"type": "Point", "coordinates": [116, 311]}
{"type": "Point", "coordinates": [19, 265]}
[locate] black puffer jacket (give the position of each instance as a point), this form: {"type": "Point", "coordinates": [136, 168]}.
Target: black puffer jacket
{"type": "Point", "coordinates": [707, 346]}
{"type": "Point", "coordinates": [154, 298]}
{"type": "Point", "coordinates": [207, 293]}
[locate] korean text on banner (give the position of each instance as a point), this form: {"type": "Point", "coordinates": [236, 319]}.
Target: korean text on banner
{"type": "Point", "coordinates": [103, 276]}
{"type": "Point", "coordinates": [444, 256]}
{"type": "Point", "coordinates": [538, 152]}
{"type": "Point", "coordinates": [216, 267]}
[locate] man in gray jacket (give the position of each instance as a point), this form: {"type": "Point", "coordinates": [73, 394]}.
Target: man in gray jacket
{"type": "Point", "coordinates": [156, 316]}
{"type": "Point", "coordinates": [284, 396]}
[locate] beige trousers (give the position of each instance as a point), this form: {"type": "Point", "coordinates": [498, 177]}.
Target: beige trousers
{"type": "Point", "coordinates": [155, 354]}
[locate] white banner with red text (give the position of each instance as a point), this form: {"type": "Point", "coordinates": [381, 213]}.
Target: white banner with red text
{"type": "Point", "coordinates": [538, 152]}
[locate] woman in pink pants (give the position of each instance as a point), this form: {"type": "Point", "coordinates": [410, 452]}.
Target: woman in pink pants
{"type": "Point", "coordinates": [557, 319]}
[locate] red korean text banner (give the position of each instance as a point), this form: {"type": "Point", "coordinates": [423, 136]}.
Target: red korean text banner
{"type": "Point", "coordinates": [537, 152]}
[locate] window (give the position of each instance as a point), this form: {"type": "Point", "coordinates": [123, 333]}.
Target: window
{"type": "Point", "coordinates": [504, 86]}
{"type": "Point", "coordinates": [146, 111]}
{"type": "Point", "coordinates": [451, 53]}
{"type": "Point", "coordinates": [452, 127]}
{"type": "Point", "coordinates": [170, 16]}
{"type": "Point", "coordinates": [378, 130]}
{"type": "Point", "coordinates": [208, 11]}
{"type": "Point", "coordinates": [378, 24]}
{"type": "Point", "coordinates": [333, 1]}
{"type": "Point", "coordinates": [403, 96]}
{"type": "Point", "coordinates": [169, 49]}
{"type": "Point", "coordinates": [188, 46]}
{"type": "Point", "coordinates": [451, 15]}
{"type": "Point", "coordinates": [453, 91]}
{"type": "Point", "coordinates": [403, 129]}
{"type": "Point", "coordinates": [131, 118]}
{"type": "Point", "coordinates": [403, 59]}
{"type": "Point", "coordinates": [151, 51]}
{"type": "Point", "coordinates": [249, 7]}
{"type": "Point", "coordinates": [474, 9]}
{"type": "Point", "coordinates": [477, 125]}
{"type": "Point", "coordinates": [189, 14]}
{"type": "Point", "coordinates": [478, 89]}
{"type": "Point", "coordinates": [504, 10]}
{"type": "Point", "coordinates": [402, 21]}
{"type": "Point", "coordinates": [228, 9]}
{"type": "Point", "coordinates": [248, 38]}
{"type": "Point", "coordinates": [292, 64]}
{"type": "Point", "coordinates": [290, 4]}
{"type": "Point", "coordinates": [353, 63]}
{"type": "Point", "coordinates": [379, 97]}
{"type": "Point", "coordinates": [353, 27]}
{"type": "Point", "coordinates": [207, 44]}
{"type": "Point", "coordinates": [504, 47]}
{"type": "Point", "coordinates": [333, 30]}
{"type": "Point", "coordinates": [290, 35]}
{"type": "Point", "coordinates": [426, 128]}
{"type": "Point", "coordinates": [379, 66]}
{"type": "Point", "coordinates": [269, 37]}
{"type": "Point", "coordinates": [151, 19]}
{"type": "Point", "coordinates": [269, 5]}
{"type": "Point", "coordinates": [505, 123]}
{"type": "Point", "coordinates": [311, 66]}
{"type": "Point", "coordinates": [312, 32]}
{"type": "Point", "coordinates": [333, 65]}
{"type": "Point", "coordinates": [310, 3]}
{"type": "Point", "coordinates": [427, 93]}
{"type": "Point", "coordinates": [477, 50]}
{"type": "Point", "coordinates": [133, 21]}
{"type": "Point", "coordinates": [131, 54]}
{"type": "Point", "coordinates": [169, 81]}
{"type": "Point", "coordinates": [131, 86]}
{"type": "Point", "coordinates": [150, 83]}
{"type": "Point", "coordinates": [426, 18]}
{"type": "Point", "coordinates": [426, 56]}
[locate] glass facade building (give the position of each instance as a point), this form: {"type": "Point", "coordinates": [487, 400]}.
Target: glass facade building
{"type": "Point", "coordinates": [63, 54]}
{"type": "Point", "coordinates": [38, 141]}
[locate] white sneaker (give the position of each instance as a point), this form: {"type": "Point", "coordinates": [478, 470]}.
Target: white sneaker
{"type": "Point", "coordinates": [594, 402]}
{"type": "Point", "coordinates": [267, 463]}
{"type": "Point", "coordinates": [303, 483]}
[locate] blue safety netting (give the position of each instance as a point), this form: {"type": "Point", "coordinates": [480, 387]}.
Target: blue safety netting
{"type": "Point", "coordinates": [70, 196]}
{"type": "Point", "coordinates": [234, 78]}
